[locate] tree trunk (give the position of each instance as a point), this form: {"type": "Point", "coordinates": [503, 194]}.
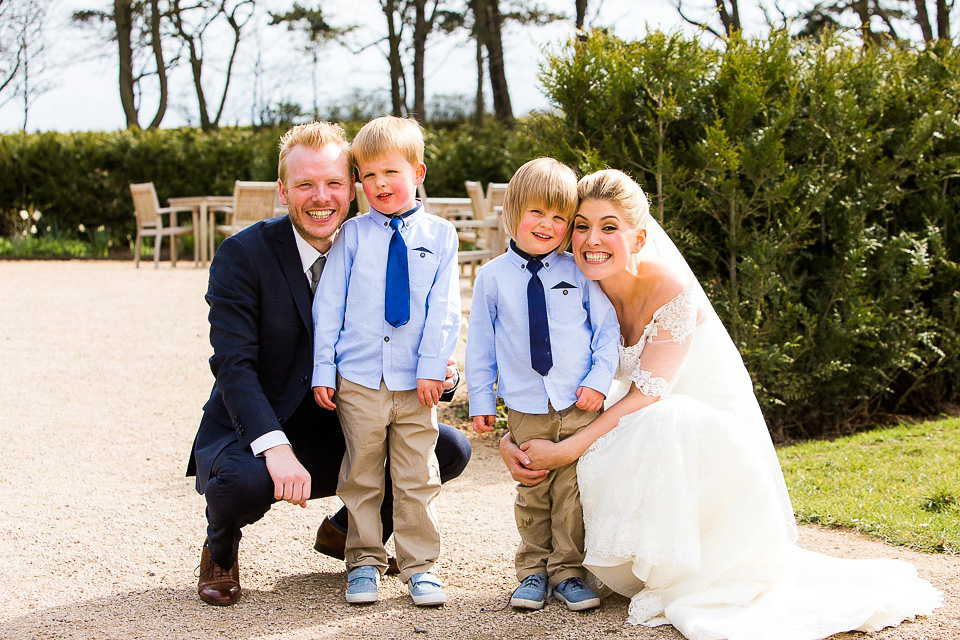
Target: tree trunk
{"type": "Point", "coordinates": [923, 19]}
{"type": "Point", "coordinates": [581, 13]}
{"type": "Point", "coordinates": [943, 20]}
{"type": "Point", "coordinates": [396, 65]}
{"type": "Point", "coordinates": [123, 21]}
{"type": "Point", "coordinates": [157, 44]}
{"type": "Point", "coordinates": [421, 28]}
{"type": "Point", "coordinates": [479, 29]}
{"type": "Point", "coordinates": [498, 78]}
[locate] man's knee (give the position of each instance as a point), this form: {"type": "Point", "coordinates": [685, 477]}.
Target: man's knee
{"type": "Point", "coordinates": [453, 452]}
{"type": "Point", "coordinates": [239, 483]}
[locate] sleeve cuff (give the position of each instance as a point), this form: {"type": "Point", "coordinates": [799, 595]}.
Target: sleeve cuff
{"type": "Point", "coordinates": [427, 369]}
{"type": "Point", "coordinates": [598, 381]}
{"type": "Point", "coordinates": [268, 441]}
{"type": "Point", "coordinates": [483, 405]}
{"type": "Point", "coordinates": [324, 376]}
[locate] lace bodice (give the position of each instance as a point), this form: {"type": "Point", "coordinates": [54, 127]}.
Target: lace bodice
{"type": "Point", "coordinates": [650, 368]}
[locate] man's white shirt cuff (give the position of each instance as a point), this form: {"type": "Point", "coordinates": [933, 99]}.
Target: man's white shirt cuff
{"type": "Point", "coordinates": [268, 440]}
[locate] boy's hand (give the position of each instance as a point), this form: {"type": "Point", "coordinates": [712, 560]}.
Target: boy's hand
{"type": "Point", "coordinates": [324, 397]}
{"type": "Point", "coordinates": [484, 424]}
{"type": "Point", "coordinates": [428, 391]}
{"type": "Point", "coordinates": [589, 399]}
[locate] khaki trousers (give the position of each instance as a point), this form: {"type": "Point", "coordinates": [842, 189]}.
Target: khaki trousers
{"type": "Point", "coordinates": [376, 422]}
{"type": "Point", "coordinates": [549, 515]}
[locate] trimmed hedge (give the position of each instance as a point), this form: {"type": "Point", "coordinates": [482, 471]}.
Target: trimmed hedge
{"type": "Point", "coordinates": [814, 188]}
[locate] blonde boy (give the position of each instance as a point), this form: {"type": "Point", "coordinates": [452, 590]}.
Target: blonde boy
{"type": "Point", "coordinates": [380, 354]}
{"type": "Point", "coordinates": [548, 338]}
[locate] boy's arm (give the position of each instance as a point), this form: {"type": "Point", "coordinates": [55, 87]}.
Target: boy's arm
{"type": "Point", "coordinates": [329, 305]}
{"type": "Point", "coordinates": [481, 360]}
{"type": "Point", "coordinates": [441, 328]}
{"type": "Point", "coordinates": [605, 338]}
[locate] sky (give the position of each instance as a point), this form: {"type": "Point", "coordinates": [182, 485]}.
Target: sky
{"type": "Point", "coordinates": [82, 70]}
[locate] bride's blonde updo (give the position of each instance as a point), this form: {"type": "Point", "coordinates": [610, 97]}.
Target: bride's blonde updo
{"type": "Point", "coordinates": [620, 190]}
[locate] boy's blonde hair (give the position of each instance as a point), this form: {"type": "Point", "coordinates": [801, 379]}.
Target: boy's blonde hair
{"type": "Point", "coordinates": [542, 183]}
{"type": "Point", "coordinates": [387, 134]}
{"type": "Point", "coordinates": [618, 189]}
{"type": "Point", "coordinates": [314, 135]}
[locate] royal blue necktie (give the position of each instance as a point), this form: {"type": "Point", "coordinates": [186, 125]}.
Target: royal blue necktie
{"type": "Point", "coordinates": [397, 301]}
{"type": "Point", "coordinates": [540, 356]}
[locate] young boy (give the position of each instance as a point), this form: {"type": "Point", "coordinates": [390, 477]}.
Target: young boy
{"type": "Point", "coordinates": [387, 318]}
{"type": "Point", "coordinates": [553, 337]}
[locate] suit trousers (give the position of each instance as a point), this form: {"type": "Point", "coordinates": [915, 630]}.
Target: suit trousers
{"type": "Point", "coordinates": [240, 490]}
{"type": "Point", "coordinates": [549, 516]}
{"type": "Point", "coordinates": [375, 422]}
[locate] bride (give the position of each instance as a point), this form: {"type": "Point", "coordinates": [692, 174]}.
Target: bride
{"type": "Point", "coordinates": [684, 503]}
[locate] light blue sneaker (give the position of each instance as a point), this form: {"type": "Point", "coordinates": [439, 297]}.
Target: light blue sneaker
{"type": "Point", "coordinates": [426, 590]}
{"type": "Point", "coordinates": [362, 585]}
{"type": "Point", "coordinates": [576, 595]}
{"type": "Point", "coordinates": [532, 592]}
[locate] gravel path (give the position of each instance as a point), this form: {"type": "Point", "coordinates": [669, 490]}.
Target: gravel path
{"type": "Point", "coordinates": [102, 375]}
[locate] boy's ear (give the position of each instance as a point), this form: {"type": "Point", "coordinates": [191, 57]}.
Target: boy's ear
{"type": "Point", "coordinates": [419, 173]}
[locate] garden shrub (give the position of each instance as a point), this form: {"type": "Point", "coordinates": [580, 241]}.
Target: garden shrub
{"type": "Point", "coordinates": [813, 187]}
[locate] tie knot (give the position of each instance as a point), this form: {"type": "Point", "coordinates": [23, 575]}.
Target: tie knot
{"type": "Point", "coordinates": [534, 265]}
{"type": "Point", "coordinates": [396, 222]}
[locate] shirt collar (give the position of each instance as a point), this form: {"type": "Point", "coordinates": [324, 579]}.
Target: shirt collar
{"type": "Point", "coordinates": [410, 217]}
{"type": "Point", "coordinates": [520, 258]}
{"type": "Point", "coordinates": [308, 253]}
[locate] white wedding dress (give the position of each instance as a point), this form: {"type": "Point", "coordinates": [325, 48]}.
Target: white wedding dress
{"type": "Point", "coordinates": [685, 507]}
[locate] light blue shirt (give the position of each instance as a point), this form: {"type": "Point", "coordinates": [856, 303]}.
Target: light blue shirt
{"type": "Point", "coordinates": [584, 336]}
{"type": "Point", "coordinates": [351, 335]}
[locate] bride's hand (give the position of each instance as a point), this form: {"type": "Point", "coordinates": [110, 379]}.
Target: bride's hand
{"type": "Point", "coordinates": [544, 454]}
{"type": "Point", "coordinates": [518, 463]}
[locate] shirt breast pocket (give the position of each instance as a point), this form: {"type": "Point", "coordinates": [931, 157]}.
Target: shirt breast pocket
{"type": "Point", "coordinates": [423, 265]}
{"type": "Point", "coordinates": [566, 306]}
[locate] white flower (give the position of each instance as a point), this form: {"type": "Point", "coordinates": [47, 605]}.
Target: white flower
{"type": "Point", "coordinates": [24, 233]}
{"type": "Point", "coordinates": [48, 228]}
{"type": "Point", "coordinates": [100, 229]}
{"type": "Point", "coordinates": [23, 214]}
{"type": "Point", "coordinates": [33, 229]}
{"type": "Point", "coordinates": [81, 228]}
{"type": "Point", "coordinates": [36, 215]}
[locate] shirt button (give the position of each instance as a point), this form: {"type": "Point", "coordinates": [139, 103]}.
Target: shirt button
{"type": "Point", "coordinates": [386, 338]}
{"type": "Point", "coordinates": [423, 255]}
{"type": "Point", "coordinates": [565, 292]}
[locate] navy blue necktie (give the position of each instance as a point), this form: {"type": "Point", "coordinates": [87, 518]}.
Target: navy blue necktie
{"type": "Point", "coordinates": [397, 301]}
{"type": "Point", "coordinates": [540, 355]}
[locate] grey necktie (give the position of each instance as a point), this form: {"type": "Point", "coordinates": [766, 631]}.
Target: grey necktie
{"type": "Point", "coordinates": [315, 270]}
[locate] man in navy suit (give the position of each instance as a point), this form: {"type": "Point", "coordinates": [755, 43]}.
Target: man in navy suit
{"type": "Point", "coordinates": [262, 437]}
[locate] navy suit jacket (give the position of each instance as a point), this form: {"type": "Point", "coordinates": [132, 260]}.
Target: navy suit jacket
{"type": "Point", "coordinates": [261, 330]}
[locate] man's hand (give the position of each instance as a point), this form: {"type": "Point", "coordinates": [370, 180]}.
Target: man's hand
{"type": "Point", "coordinates": [515, 459]}
{"type": "Point", "coordinates": [451, 374]}
{"type": "Point", "coordinates": [589, 399]}
{"type": "Point", "coordinates": [324, 397]}
{"type": "Point", "coordinates": [484, 424]}
{"type": "Point", "coordinates": [428, 391]}
{"type": "Point", "coordinates": [291, 482]}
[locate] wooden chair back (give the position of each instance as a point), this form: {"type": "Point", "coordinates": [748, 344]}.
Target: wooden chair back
{"type": "Point", "coordinates": [146, 206]}
{"type": "Point", "coordinates": [252, 202]}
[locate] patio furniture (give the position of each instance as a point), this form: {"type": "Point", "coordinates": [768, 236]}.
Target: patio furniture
{"type": "Point", "coordinates": [149, 214]}
{"type": "Point", "coordinates": [203, 207]}
{"type": "Point", "coordinates": [252, 202]}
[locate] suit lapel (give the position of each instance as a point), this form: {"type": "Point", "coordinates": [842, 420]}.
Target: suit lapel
{"type": "Point", "coordinates": [289, 257]}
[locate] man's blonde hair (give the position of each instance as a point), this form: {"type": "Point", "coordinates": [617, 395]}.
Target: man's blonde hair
{"type": "Point", "coordinates": [542, 183]}
{"type": "Point", "coordinates": [314, 135]}
{"type": "Point", "coordinates": [387, 134]}
{"type": "Point", "coordinates": [620, 190]}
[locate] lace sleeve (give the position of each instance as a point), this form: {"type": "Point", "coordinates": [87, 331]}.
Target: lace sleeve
{"type": "Point", "coordinates": [678, 318]}
{"type": "Point", "coordinates": [664, 346]}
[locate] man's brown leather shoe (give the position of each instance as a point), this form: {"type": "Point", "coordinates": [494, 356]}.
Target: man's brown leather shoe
{"type": "Point", "coordinates": [216, 586]}
{"type": "Point", "coordinates": [332, 542]}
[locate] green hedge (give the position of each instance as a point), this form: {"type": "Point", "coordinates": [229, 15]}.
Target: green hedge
{"type": "Point", "coordinates": [76, 178]}
{"type": "Point", "coordinates": [814, 187]}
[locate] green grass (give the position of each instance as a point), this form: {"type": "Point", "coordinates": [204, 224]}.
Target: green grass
{"type": "Point", "coordinates": [899, 484]}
